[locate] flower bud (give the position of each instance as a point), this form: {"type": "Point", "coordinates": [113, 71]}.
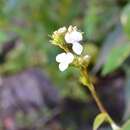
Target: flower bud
{"type": "Point", "coordinates": [58, 37]}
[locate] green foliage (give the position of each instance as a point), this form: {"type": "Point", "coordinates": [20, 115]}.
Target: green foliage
{"type": "Point", "coordinates": [126, 126]}
{"type": "Point", "coordinates": [125, 19]}
{"type": "Point", "coordinates": [33, 22]}
{"type": "Point", "coordinates": [114, 39]}
{"type": "Point", "coordinates": [96, 25]}
{"type": "Point", "coordinates": [116, 58]}
{"type": "Point", "coordinates": [3, 37]}
{"type": "Point", "coordinates": [99, 120]}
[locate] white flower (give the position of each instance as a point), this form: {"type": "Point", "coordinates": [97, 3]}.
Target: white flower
{"type": "Point", "coordinates": [57, 36]}
{"type": "Point", "coordinates": [59, 31]}
{"type": "Point", "coordinates": [64, 59]}
{"type": "Point", "coordinates": [73, 36]}
{"type": "Point", "coordinates": [77, 48]}
{"type": "Point", "coordinates": [62, 30]}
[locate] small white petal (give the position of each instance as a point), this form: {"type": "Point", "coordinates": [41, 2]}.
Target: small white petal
{"type": "Point", "coordinates": [62, 30]}
{"type": "Point", "coordinates": [77, 48]}
{"type": "Point", "coordinates": [63, 66]}
{"type": "Point", "coordinates": [69, 57]}
{"type": "Point", "coordinates": [70, 28]}
{"type": "Point", "coordinates": [65, 57]}
{"type": "Point", "coordinates": [74, 36]}
{"type": "Point", "coordinates": [68, 38]}
{"type": "Point", "coordinates": [61, 57]}
{"type": "Point", "coordinates": [86, 57]}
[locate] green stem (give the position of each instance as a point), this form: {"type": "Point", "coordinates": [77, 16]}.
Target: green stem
{"type": "Point", "coordinates": [91, 88]}
{"type": "Point", "coordinates": [94, 94]}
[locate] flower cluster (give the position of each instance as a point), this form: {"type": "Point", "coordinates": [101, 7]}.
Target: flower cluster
{"type": "Point", "coordinates": [69, 40]}
{"type": "Point", "coordinates": [64, 60]}
{"type": "Point", "coordinates": [64, 38]}
{"type": "Point", "coordinates": [73, 36]}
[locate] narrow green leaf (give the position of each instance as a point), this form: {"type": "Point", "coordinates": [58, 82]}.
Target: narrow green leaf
{"type": "Point", "coordinates": [116, 58]}
{"type": "Point", "coordinates": [99, 120]}
{"type": "Point", "coordinates": [126, 126]}
{"type": "Point", "coordinates": [125, 19]}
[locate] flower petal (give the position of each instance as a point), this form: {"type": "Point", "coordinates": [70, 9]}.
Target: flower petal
{"type": "Point", "coordinates": [65, 57]}
{"type": "Point", "coordinates": [62, 30]}
{"type": "Point", "coordinates": [61, 57]}
{"type": "Point", "coordinates": [68, 38]}
{"type": "Point", "coordinates": [77, 48]}
{"type": "Point", "coordinates": [74, 36]}
{"type": "Point", "coordinates": [63, 66]}
{"type": "Point", "coordinates": [69, 57]}
{"type": "Point", "coordinates": [86, 56]}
